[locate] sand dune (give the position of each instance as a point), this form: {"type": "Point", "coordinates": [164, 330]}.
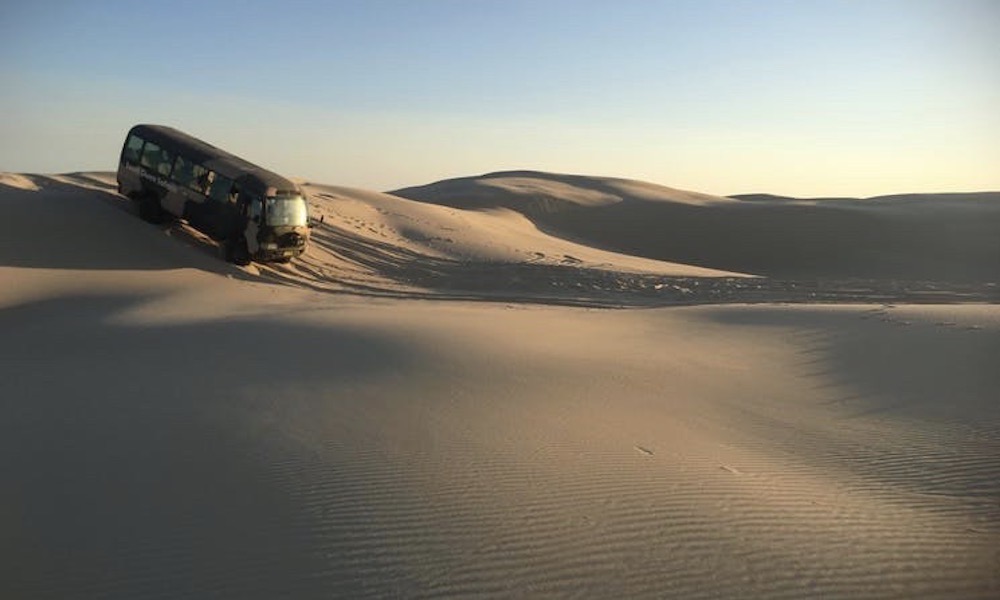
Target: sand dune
{"type": "Point", "coordinates": [948, 237]}
{"type": "Point", "coordinates": [379, 238]}
{"type": "Point", "coordinates": [413, 410]}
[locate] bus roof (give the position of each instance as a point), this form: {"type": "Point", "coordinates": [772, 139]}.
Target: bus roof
{"type": "Point", "coordinates": [247, 174]}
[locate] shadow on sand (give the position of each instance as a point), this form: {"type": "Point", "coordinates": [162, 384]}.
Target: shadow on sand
{"type": "Point", "coordinates": [933, 385]}
{"type": "Point", "coordinates": [78, 221]}
{"type": "Point", "coordinates": [570, 284]}
{"type": "Point", "coordinates": [139, 460]}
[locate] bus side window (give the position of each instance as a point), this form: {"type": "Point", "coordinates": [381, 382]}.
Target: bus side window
{"type": "Point", "coordinates": [219, 188]}
{"type": "Point", "coordinates": [199, 179]}
{"type": "Point", "coordinates": [166, 161]}
{"type": "Point", "coordinates": [150, 156]}
{"type": "Point", "coordinates": [157, 159]}
{"type": "Point", "coordinates": [133, 149]}
{"type": "Point", "coordinates": [183, 171]}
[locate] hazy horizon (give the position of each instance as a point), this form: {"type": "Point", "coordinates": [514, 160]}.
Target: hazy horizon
{"type": "Point", "coordinates": [801, 99]}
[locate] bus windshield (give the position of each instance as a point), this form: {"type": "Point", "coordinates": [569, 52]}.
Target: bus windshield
{"type": "Point", "coordinates": [286, 211]}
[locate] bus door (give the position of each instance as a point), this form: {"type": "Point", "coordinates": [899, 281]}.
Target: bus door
{"type": "Point", "coordinates": [251, 213]}
{"type": "Point", "coordinates": [221, 216]}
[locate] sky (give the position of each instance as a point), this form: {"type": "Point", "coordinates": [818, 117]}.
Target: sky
{"type": "Point", "coordinates": [792, 97]}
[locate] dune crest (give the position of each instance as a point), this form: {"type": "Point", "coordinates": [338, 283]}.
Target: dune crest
{"type": "Point", "coordinates": [538, 192]}
{"type": "Point", "coordinates": [944, 237]}
{"type": "Point", "coordinates": [18, 181]}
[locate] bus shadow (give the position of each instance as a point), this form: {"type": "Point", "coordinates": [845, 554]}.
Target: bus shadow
{"type": "Point", "coordinates": [79, 221]}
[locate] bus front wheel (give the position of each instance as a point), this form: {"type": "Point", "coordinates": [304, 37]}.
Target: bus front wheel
{"type": "Point", "coordinates": [237, 252]}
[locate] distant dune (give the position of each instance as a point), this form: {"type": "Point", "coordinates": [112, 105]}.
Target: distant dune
{"type": "Point", "coordinates": [950, 237]}
{"type": "Point", "coordinates": [435, 402]}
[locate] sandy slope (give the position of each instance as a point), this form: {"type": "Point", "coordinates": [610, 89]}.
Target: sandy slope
{"type": "Point", "coordinates": [943, 237]}
{"type": "Point", "coordinates": [177, 427]}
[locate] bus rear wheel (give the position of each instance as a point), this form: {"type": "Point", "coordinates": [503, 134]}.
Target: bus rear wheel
{"type": "Point", "coordinates": [150, 210]}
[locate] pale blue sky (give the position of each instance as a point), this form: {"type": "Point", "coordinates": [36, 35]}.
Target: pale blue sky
{"type": "Point", "coordinates": [798, 97]}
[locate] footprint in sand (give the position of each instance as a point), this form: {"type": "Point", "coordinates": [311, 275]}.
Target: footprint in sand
{"type": "Point", "coordinates": [643, 450]}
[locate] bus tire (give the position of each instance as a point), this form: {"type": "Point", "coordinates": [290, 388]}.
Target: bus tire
{"type": "Point", "coordinates": [237, 252]}
{"type": "Point", "coordinates": [150, 210]}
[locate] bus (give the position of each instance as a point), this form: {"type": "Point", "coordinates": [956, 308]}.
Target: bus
{"type": "Point", "coordinates": [257, 215]}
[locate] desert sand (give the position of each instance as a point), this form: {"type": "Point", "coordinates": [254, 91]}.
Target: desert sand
{"type": "Point", "coordinates": [513, 385]}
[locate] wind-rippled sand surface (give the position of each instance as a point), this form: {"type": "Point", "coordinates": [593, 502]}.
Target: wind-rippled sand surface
{"type": "Point", "coordinates": [177, 427]}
